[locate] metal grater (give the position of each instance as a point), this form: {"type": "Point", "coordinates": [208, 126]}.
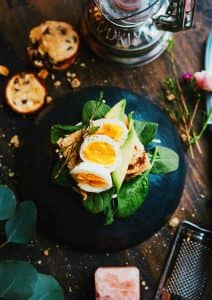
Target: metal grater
{"type": "Point", "coordinates": [188, 272]}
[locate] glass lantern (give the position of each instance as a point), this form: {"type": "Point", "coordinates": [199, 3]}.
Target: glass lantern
{"type": "Point", "coordinates": [134, 32]}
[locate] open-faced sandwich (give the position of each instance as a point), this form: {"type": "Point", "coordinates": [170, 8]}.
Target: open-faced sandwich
{"type": "Point", "coordinates": [53, 44]}
{"type": "Point", "coordinates": [105, 160]}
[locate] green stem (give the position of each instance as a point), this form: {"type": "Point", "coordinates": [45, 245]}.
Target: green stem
{"type": "Point", "coordinates": [198, 137]}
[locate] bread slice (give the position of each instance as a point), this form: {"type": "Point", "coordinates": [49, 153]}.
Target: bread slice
{"type": "Point", "coordinates": [25, 93]}
{"type": "Point", "coordinates": [53, 43]}
{"type": "Point", "coordinates": [139, 162]}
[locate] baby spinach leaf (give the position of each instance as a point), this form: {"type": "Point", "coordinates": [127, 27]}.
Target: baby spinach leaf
{"type": "Point", "coordinates": [46, 288]}
{"type": "Point", "coordinates": [132, 195]}
{"type": "Point", "coordinates": [109, 212]}
{"type": "Point", "coordinates": [166, 160]}
{"type": "Point", "coordinates": [97, 203]}
{"type": "Point", "coordinates": [94, 109]}
{"type": "Point", "coordinates": [21, 227]}
{"type": "Point", "coordinates": [146, 131]}
{"type": "Point", "coordinates": [17, 279]}
{"type": "Point", "coordinates": [63, 179]}
{"type": "Point", "coordinates": [59, 131]}
{"type": "Point", "coordinates": [7, 203]}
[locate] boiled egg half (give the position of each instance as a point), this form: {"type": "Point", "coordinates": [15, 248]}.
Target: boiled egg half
{"type": "Point", "coordinates": [113, 128]}
{"type": "Point", "coordinates": [92, 177]}
{"type": "Point", "coordinates": [102, 150]}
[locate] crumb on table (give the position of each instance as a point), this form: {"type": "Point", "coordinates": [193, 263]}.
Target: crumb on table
{"type": "Point", "coordinates": [4, 71]}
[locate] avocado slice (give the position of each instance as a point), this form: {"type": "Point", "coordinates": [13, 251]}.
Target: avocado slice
{"type": "Point", "coordinates": [127, 151]}
{"type": "Point", "coordinates": [117, 111]}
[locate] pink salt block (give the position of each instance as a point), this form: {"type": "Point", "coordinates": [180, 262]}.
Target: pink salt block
{"type": "Point", "coordinates": [117, 283]}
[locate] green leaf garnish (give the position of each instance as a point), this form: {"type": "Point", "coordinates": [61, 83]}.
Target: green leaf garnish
{"type": "Point", "coordinates": [166, 160]}
{"type": "Point", "coordinates": [146, 131]}
{"type": "Point", "coordinates": [7, 203]}
{"type": "Point", "coordinates": [94, 109]}
{"type": "Point", "coordinates": [97, 203]}
{"type": "Point", "coordinates": [131, 195]}
{"type": "Point", "coordinates": [59, 131]}
{"type": "Point", "coordinates": [21, 228]}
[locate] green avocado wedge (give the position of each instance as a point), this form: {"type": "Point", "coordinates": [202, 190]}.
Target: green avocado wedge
{"type": "Point", "coordinates": [117, 111]}
{"type": "Point", "coordinates": [127, 151]}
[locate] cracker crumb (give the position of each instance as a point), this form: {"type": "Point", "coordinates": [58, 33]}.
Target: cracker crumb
{"type": "Point", "coordinates": [70, 289]}
{"type": "Point", "coordinates": [11, 174]}
{"type": "Point", "coordinates": [193, 215]}
{"type": "Point", "coordinates": [174, 222]}
{"type": "Point", "coordinates": [73, 75]}
{"type": "Point", "coordinates": [38, 63]}
{"type": "Point", "coordinates": [49, 99]}
{"type": "Point", "coordinates": [43, 74]}
{"type": "Point", "coordinates": [57, 83]}
{"type": "Point", "coordinates": [143, 283]}
{"type": "Point", "coordinates": [83, 65]}
{"type": "Point", "coordinates": [46, 252]}
{"type": "Point", "coordinates": [4, 71]}
{"type": "Point", "coordinates": [39, 262]}
{"type": "Point", "coordinates": [14, 141]}
{"type": "Point", "coordinates": [68, 74]}
{"type": "Point", "coordinates": [182, 209]}
{"type": "Point", "coordinates": [75, 83]}
{"type": "Point", "coordinates": [52, 77]}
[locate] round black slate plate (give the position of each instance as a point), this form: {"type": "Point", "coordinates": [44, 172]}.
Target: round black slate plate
{"type": "Point", "coordinates": [61, 215]}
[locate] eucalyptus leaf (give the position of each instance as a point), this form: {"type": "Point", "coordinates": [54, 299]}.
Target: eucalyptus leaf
{"type": "Point", "coordinates": [94, 109]}
{"type": "Point", "coordinates": [21, 228]}
{"type": "Point", "coordinates": [7, 203]}
{"type": "Point", "coordinates": [166, 160]}
{"type": "Point", "coordinates": [46, 288]}
{"type": "Point", "coordinates": [146, 131]}
{"type": "Point", "coordinates": [59, 131]}
{"type": "Point", "coordinates": [131, 195]}
{"type": "Point", "coordinates": [17, 280]}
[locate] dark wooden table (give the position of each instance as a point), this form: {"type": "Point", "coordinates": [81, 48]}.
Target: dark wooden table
{"type": "Point", "coordinates": [74, 270]}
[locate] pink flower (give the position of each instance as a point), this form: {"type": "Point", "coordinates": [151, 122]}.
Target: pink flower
{"type": "Point", "coordinates": [204, 80]}
{"type": "Point", "coordinates": [187, 76]}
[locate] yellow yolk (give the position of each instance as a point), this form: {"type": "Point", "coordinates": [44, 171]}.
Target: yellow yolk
{"type": "Point", "coordinates": [100, 152]}
{"type": "Point", "coordinates": [90, 179]}
{"type": "Point", "coordinates": [112, 130]}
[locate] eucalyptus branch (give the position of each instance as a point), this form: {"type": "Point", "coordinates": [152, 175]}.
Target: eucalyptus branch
{"type": "Point", "coordinates": [3, 244]}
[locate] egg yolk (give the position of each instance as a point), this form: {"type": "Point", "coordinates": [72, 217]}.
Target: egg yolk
{"type": "Point", "coordinates": [90, 179]}
{"type": "Point", "coordinates": [112, 130]}
{"type": "Point", "coordinates": [100, 152]}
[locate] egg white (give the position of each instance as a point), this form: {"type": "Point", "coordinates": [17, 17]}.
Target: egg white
{"type": "Point", "coordinates": [94, 169]}
{"type": "Point", "coordinates": [102, 138]}
{"type": "Point", "coordinates": [101, 122]}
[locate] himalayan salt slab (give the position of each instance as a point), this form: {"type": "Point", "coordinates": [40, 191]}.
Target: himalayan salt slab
{"type": "Point", "coordinates": [117, 283]}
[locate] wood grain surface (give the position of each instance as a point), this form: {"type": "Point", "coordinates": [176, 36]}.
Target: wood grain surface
{"type": "Point", "coordinates": [75, 270]}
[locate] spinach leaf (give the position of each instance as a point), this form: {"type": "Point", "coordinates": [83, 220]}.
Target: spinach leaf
{"type": "Point", "coordinates": [98, 203]}
{"type": "Point", "coordinates": [109, 212]}
{"type": "Point", "coordinates": [166, 160]}
{"type": "Point", "coordinates": [132, 195]}
{"type": "Point", "coordinates": [63, 179]}
{"type": "Point", "coordinates": [94, 109]}
{"type": "Point", "coordinates": [146, 131]}
{"type": "Point", "coordinates": [58, 131]}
